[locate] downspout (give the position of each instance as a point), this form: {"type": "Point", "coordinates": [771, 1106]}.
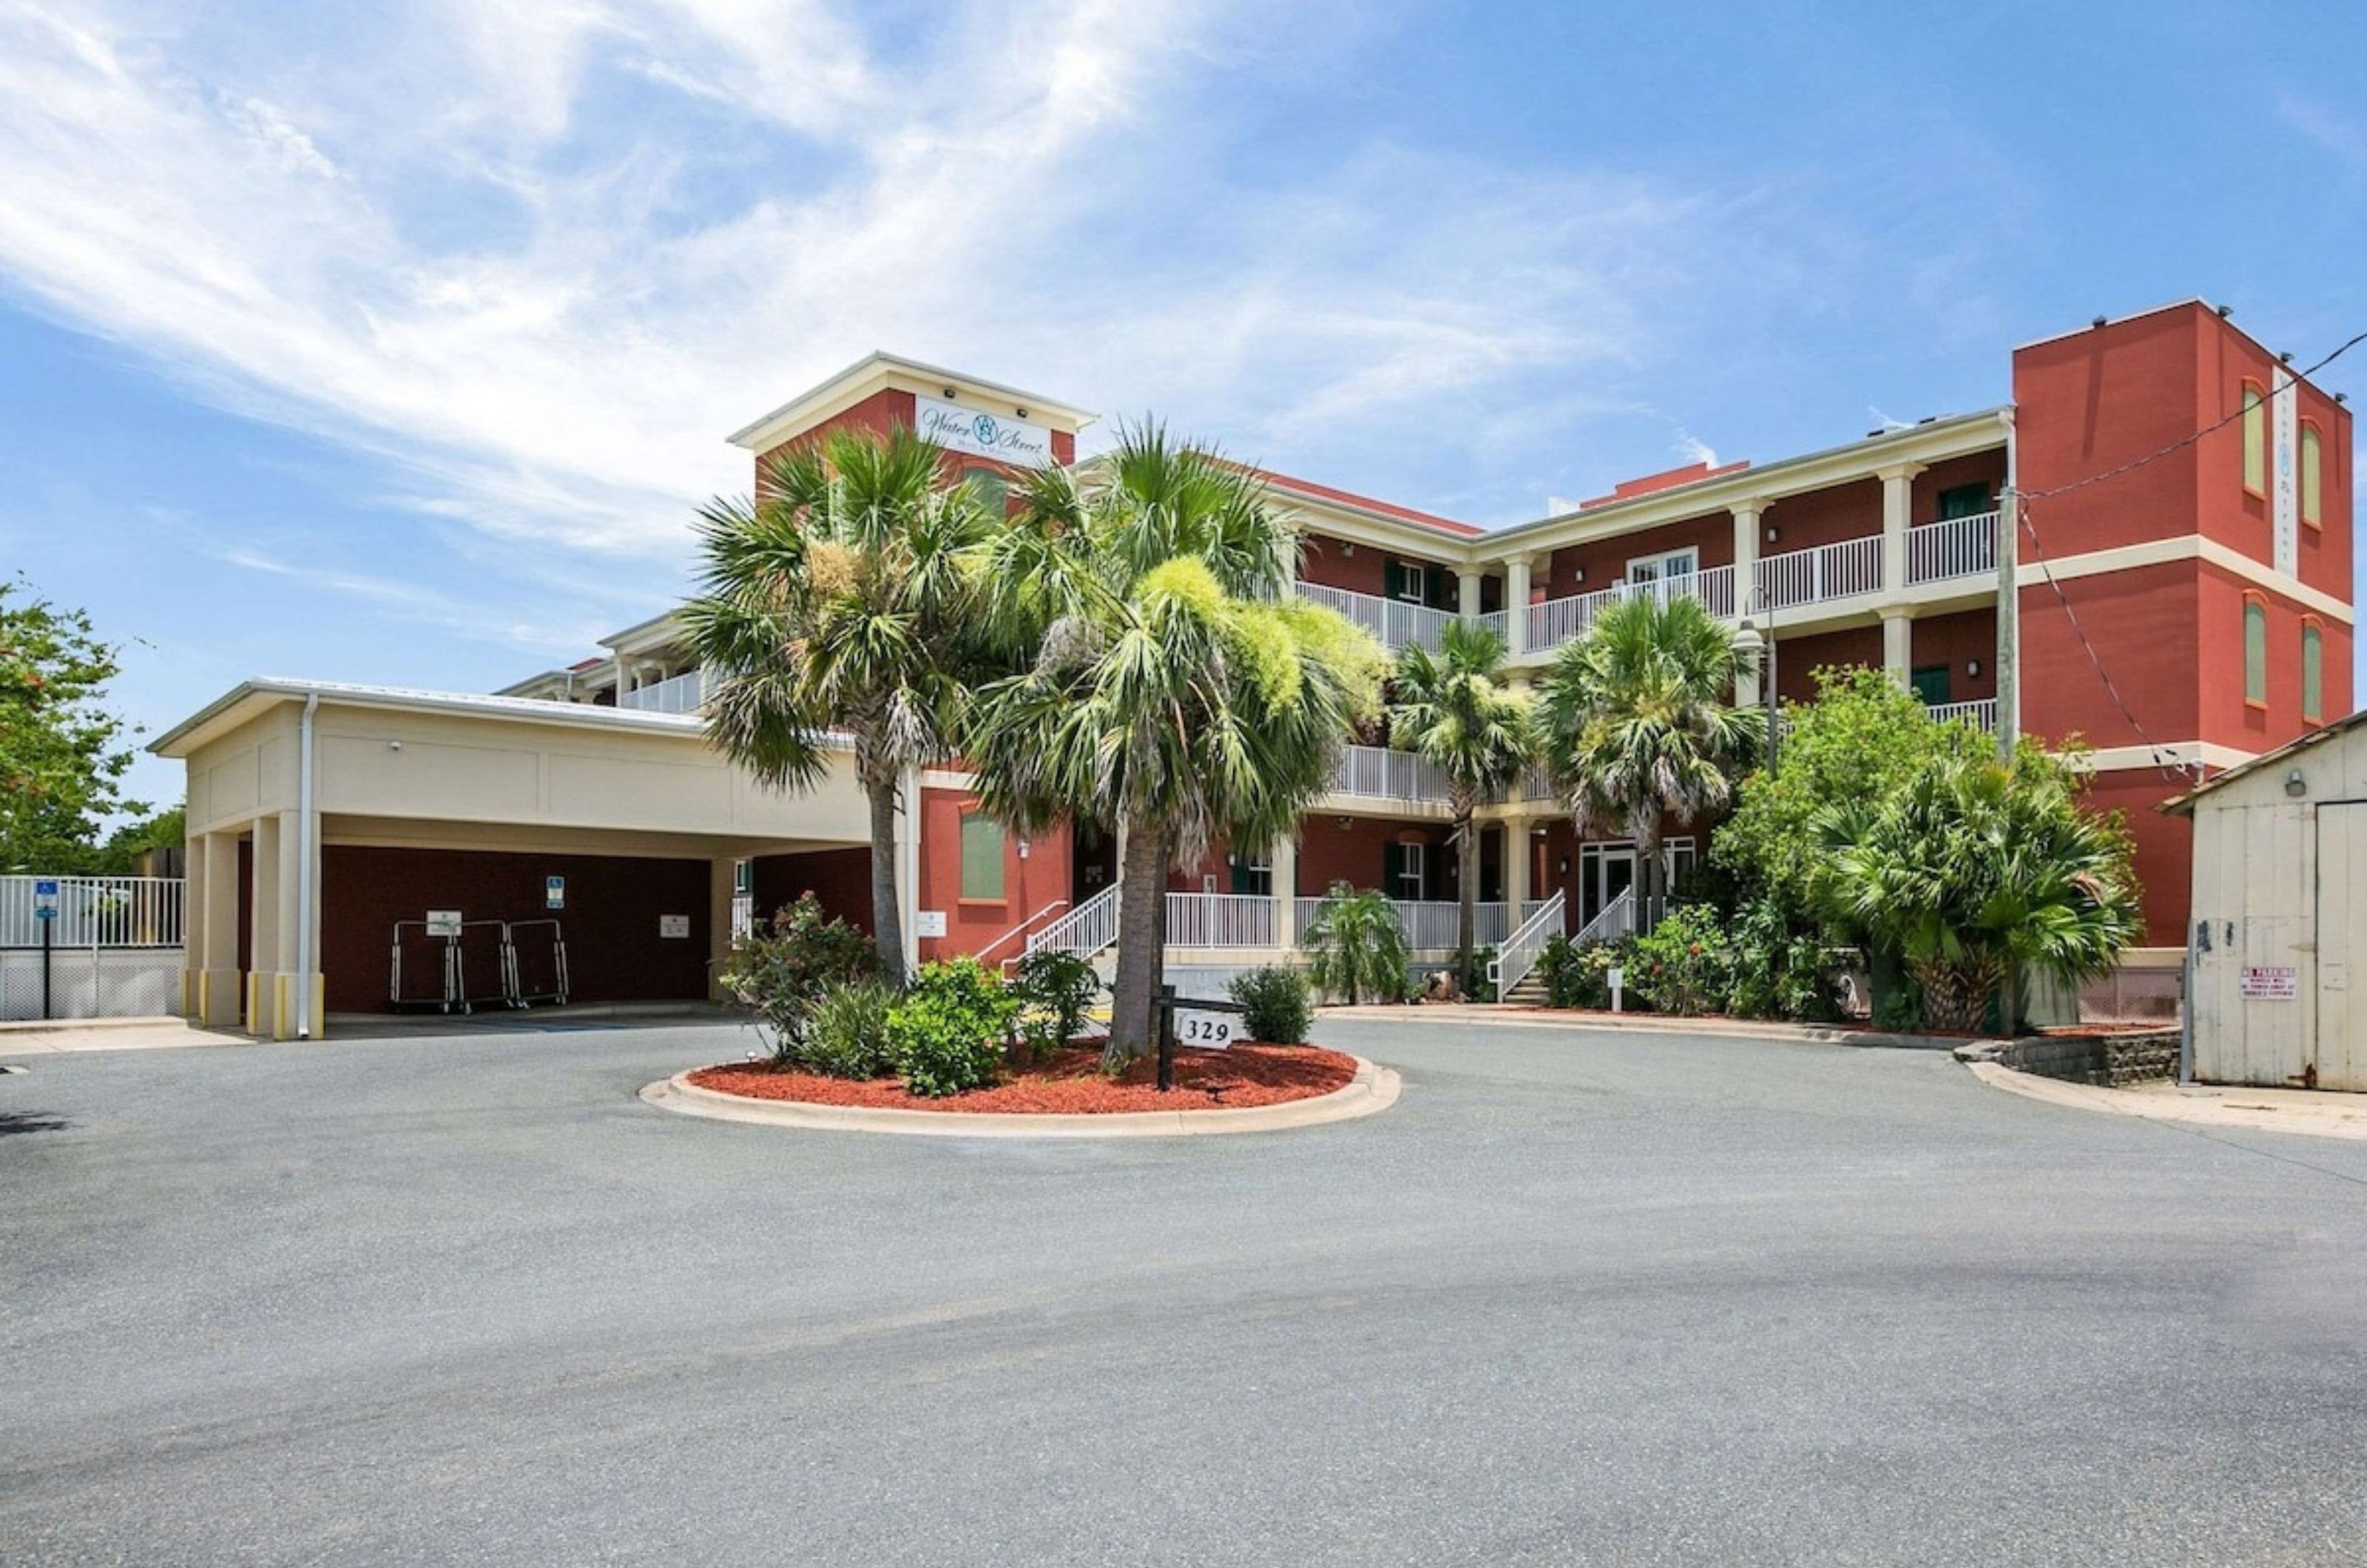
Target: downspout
{"type": "Point", "coordinates": [306, 893]}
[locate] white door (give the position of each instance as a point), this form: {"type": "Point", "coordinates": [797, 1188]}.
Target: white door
{"type": "Point", "coordinates": [2339, 1051]}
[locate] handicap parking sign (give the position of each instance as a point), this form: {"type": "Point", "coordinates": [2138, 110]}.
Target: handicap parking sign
{"type": "Point", "coordinates": [45, 899]}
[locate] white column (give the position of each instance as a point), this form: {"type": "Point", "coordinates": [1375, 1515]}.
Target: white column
{"type": "Point", "coordinates": [722, 882]}
{"type": "Point", "coordinates": [1466, 595]}
{"type": "Point", "coordinates": [907, 864]}
{"type": "Point", "coordinates": [1747, 606]}
{"type": "Point", "coordinates": [1897, 512]}
{"type": "Point", "coordinates": [1516, 605]}
{"type": "Point", "coordinates": [1898, 645]}
{"type": "Point", "coordinates": [1518, 850]}
{"type": "Point", "coordinates": [1283, 858]}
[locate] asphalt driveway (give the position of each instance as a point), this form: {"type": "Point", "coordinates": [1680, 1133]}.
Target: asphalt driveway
{"type": "Point", "coordinates": [1575, 1299]}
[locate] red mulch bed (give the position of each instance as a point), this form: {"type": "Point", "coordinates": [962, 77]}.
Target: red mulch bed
{"type": "Point", "coordinates": [1070, 1083]}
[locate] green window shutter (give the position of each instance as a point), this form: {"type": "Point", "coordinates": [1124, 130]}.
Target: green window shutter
{"type": "Point", "coordinates": [1392, 579]}
{"type": "Point", "coordinates": [1930, 685]}
{"type": "Point", "coordinates": [1965, 500]}
{"type": "Point", "coordinates": [981, 857]}
{"type": "Point", "coordinates": [2313, 674]}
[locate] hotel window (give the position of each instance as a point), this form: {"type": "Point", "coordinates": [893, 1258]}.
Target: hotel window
{"type": "Point", "coordinates": [982, 858]}
{"type": "Point", "coordinates": [2256, 440]}
{"type": "Point", "coordinates": [2313, 484]}
{"type": "Point", "coordinates": [1966, 501]}
{"type": "Point", "coordinates": [1406, 579]}
{"type": "Point", "coordinates": [1402, 870]}
{"type": "Point", "coordinates": [2256, 652]}
{"type": "Point", "coordinates": [2313, 673]}
{"type": "Point", "coordinates": [993, 490]}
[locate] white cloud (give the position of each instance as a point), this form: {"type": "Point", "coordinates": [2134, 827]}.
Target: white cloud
{"type": "Point", "coordinates": [447, 244]}
{"type": "Point", "coordinates": [1693, 449]}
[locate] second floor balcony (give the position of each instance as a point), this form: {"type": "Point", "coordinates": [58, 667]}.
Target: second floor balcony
{"type": "Point", "coordinates": [1395, 622]}
{"type": "Point", "coordinates": [1821, 574]}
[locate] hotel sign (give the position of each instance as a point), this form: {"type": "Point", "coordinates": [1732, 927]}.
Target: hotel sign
{"type": "Point", "coordinates": [2284, 456]}
{"type": "Point", "coordinates": [983, 434]}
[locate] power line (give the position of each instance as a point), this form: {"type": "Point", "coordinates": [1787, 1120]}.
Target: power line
{"type": "Point", "coordinates": [2184, 442]}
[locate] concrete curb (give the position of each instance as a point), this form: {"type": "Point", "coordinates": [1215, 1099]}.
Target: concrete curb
{"type": "Point", "coordinates": [1373, 1089]}
{"type": "Point", "coordinates": [1489, 1015]}
{"type": "Point", "coordinates": [2200, 1107]}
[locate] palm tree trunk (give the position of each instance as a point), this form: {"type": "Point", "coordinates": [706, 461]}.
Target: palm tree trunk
{"type": "Point", "coordinates": [1647, 874]}
{"type": "Point", "coordinates": [887, 915]}
{"type": "Point", "coordinates": [1141, 944]}
{"type": "Point", "coordinates": [1467, 875]}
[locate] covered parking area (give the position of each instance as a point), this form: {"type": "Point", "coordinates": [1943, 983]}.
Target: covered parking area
{"type": "Point", "coordinates": [334, 828]}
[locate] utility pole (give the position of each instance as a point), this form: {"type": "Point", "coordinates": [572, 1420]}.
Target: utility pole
{"type": "Point", "coordinates": [2009, 624]}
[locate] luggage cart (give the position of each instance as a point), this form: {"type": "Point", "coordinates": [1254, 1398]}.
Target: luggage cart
{"type": "Point", "coordinates": [485, 971]}
{"type": "Point", "coordinates": [538, 962]}
{"type": "Point", "coordinates": [433, 974]}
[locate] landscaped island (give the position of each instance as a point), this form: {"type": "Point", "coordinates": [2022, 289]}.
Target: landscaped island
{"type": "Point", "coordinates": [1070, 1082]}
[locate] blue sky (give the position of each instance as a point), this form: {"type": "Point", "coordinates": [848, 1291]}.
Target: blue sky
{"type": "Point", "coordinates": [397, 342]}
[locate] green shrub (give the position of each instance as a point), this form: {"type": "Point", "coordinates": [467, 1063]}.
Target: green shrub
{"type": "Point", "coordinates": [1577, 975]}
{"type": "Point", "coordinates": [1685, 964]}
{"type": "Point", "coordinates": [945, 1034]}
{"type": "Point", "coordinates": [1782, 970]}
{"type": "Point", "coordinates": [1356, 946]}
{"type": "Point", "coordinates": [846, 1032]}
{"type": "Point", "coordinates": [781, 970]}
{"type": "Point", "coordinates": [1055, 991]}
{"type": "Point", "coordinates": [1278, 1006]}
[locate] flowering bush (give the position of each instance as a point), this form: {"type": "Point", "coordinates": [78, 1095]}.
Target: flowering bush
{"type": "Point", "coordinates": [945, 1034]}
{"type": "Point", "coordinates": [1577, 975]}
{"type": "Point", "coordinates": [786, 966]}
{"type": "Point", "coordinates": [1685, 964]}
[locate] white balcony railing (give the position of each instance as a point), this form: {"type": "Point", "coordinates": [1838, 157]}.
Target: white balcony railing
{"type": "Point", "coordinates": [1556, 621]}
{"type": "Point", "coordinates": [678, 693]}
{"type": "Point", "coordinates": [1499, 622]}
{"type": "Point", "coordinates": [1826, 571]}
{"type": "Point", "coordinates": [1223, 919]}
{"type": "Point", "coordinates": [1375, 773]}
{"type": "Point", "coordinates": [1960, 546]}
{"type": "Point", "coordinates": [1396, 623]}
{"type": "Point", "coordinates": [1981, 715]}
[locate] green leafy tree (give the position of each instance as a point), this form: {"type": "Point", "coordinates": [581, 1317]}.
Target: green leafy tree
{"type": "Point", "coordinates": [1452, 709]}
{"type": "Point", "coordinates": [1176, 691]}
{"type": "Point", "coordinates": [1861, 739]}
{"type": "Point", "coordinates": [61, 752]}
{"type": "Point", "coordinates": [1976, 868]}
{"type": "Point", "coordinates": [1636, 726]}
{"type": "Point", "coordinates": [1356, 946]}
{"type": "Point", "coordinates": [842, 601]}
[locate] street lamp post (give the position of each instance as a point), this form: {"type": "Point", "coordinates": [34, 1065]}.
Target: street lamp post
{"type": "Point", "coordinates": [1766, 666]}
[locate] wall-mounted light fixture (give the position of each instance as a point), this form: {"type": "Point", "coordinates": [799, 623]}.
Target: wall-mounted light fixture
{"type": "Point", "coordinates": [1022, 413]}
{"type": "Point", "coordinates": [394, 745]}
{"type": "Point", "coordinates": [949, 392]}
{"type": "Point", "coordinates": [1774, 532]}
{"type": "Point", "coordinates": [1346, 823]}
{"type": "Point", "coordinates": [1347, 547]}
{"type": "Point", "coordinates": [1972, 669]}
{"type": "Point", "coordinates": [1578, 574]}
{"type": "Point", "coordinates": [2295, 784]}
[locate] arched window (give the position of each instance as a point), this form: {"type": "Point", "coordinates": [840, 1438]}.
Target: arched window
{"type": "Point", "coordinates": [2256, 440]}
{"type": "Point", "coordinates": [2313, 672]}
{"type": "Point", "coordinates": [2256, 651]}
{"type": "Point", "coordinates": [2313, 486]}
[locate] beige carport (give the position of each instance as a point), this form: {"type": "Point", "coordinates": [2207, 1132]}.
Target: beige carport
{"type": "Point", "coordinates": [2280, 915]}
{"type": "Point", "coordinates": [390, 785]}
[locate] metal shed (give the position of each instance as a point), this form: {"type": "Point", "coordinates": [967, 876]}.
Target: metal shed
{"type": "Point", "coordinates": [2280, 915]}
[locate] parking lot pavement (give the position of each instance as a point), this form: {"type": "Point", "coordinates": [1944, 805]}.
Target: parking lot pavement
{"type": "Point", "coordinates": [1601, 1299]}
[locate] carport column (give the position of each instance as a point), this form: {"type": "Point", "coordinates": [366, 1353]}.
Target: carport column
{"type": "Point", "coordinates": [722, 889]}
{"type": "Point", "coordinates": [907, 864]}
{"type": "Point", "coordinates": [263, 933]}
{"type": "Point", "coordinates": [1899, 644]}
{"type": "Point", "coordinates": [1284, 861]}
{"type": "Point", "coordinates": [1897, 510]}
{"type": "Point", "coordinates": [213, 921]}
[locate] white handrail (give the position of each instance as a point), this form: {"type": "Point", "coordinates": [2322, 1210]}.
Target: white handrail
{"type": "Point", "coordinates": [1083, 930]}
{"type": "Point", "coordinates": [1838, 570]}
{"type": "Point", "coordinates": [1556, 621]}
{"type": "Point", "coordinates": [1617, 918]}
{"type": "Point", "coordinates": [1221, 919]}
{"type": "Point", "coordinates": [1981, 714]}
{"type": "Point", "coordinates": [1519, 952]}
{"type": "Point", "coordinates": [1395, 622]}
{"type": "Point", "coordinates": [1019, 930]}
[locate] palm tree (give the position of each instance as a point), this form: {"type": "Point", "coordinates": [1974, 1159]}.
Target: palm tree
{"type": "Point", "coordinates": [1356, 946]}
{"type": "Point", "coordinates": [1977, 867]}
{"type": "Point", "coordinates": [1452, 710]}
{"type": "Point", "coordinates": [1636, 726]}
{"type": "Point", "coordinates": [841, 600]}
{"type": "Point", "coordinates": [1177, 692]}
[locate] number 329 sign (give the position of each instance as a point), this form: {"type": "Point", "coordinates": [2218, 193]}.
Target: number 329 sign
{"type": "Point", "coordinates": [1207, 1030]}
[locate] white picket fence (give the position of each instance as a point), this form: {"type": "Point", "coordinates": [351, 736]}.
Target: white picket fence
{"type": "Point", "coordinates": [112, 950]}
